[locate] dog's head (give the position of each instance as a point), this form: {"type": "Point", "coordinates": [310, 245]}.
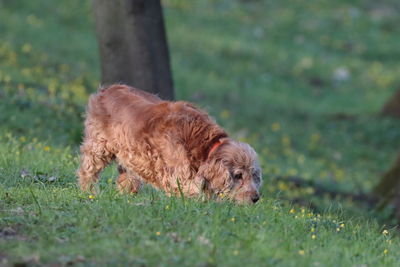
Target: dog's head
{"type": "Point", "coordinates": [232, 171]}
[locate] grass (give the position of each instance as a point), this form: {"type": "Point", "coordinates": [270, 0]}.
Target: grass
{"type": "Point", "coordinates": [302, 82]}
{"type": "Point", "coordinates": [46, 219]}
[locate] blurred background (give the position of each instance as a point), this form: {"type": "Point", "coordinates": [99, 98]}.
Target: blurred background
{"type": "Point", "coordinates": [304, 82]}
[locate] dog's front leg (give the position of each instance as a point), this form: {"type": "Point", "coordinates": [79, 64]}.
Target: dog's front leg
{"type": "Point", "coordinates": [128, 181]}
{"type": "Point", "coordinates": [94, 158]}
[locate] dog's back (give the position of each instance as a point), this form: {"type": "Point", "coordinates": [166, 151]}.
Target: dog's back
{"type": "Point", "coordinates": [121, 104]}
{"type": "Point", "coordinates": [142, 115]}
{"type": "Point", "coordinates": [115, 103]}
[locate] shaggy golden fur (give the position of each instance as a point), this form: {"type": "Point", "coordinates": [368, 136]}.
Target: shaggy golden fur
{"type": "Point", "coordinates": [174, 146]}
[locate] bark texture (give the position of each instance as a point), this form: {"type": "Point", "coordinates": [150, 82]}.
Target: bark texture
{"type": "Point", "coordinates": [392, 107]}
{"type": "Point", "coordinates": [388, 189]}
{"type": "Point", "coordinates": [133, 45]}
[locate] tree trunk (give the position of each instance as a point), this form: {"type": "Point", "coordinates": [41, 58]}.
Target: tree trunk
{"type": "Point", "coordinates": [392, 107]}
{"type": "Point", "coordinates": [388, 189]}
{"type": "Point", "coordinates": [133, 45]}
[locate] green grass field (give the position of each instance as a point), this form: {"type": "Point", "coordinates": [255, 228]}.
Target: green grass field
{"type": "Point", "coordinates": [301, 81]}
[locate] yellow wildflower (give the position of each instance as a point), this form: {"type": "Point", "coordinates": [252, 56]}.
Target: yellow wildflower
{"type": "Point", "coordinates": [26, 48]}
{"type": "Point", "coordinates": [306, 63]}
{"type": "Point", "coordinates": [301, 252]}
{"type": "Point", "coordinates": [225, 114]}
{"type": "Point", "coordinates": [167, 207]}
{"type": "Point", "coordinates": [301, 159]}
{"type": "Point", "coordinates": [292, 211]}
{"type": "Point", "coordinates": [34, 21]}
{"type": "Point", "coordinates": [158, 233]}
{"type": "Point", "coordinates": [46, 148]}
{"type": "Point", "coordinates": [313, 236]}
{"type": "Point", "coordinates": [91, 197]}
{"type": "Point", "coordinates": [233, 219]}
{"type": "Point", "coordinates": [64, 68]}
{"type": "Point", "coordinates": [385, 232]}
{"type": "Point", "coordinates": [286, 140]}
{"type": "Point", "coordinates": [339, 174]}
{"type": "Point", "coordinates": [342, 225]}
{"type": "Point", "coordinates": [276, 126]}
{"type": "Point", "coordinates": [7, 78]}
{"type": "Point", "coordinates": [283, 186]}
{"type": "Point", "coordinates": [292, 172]}
{"type": "Point", "coordinates": [385, 251]}
{"type": "Point", "coordinates": [315, 138]}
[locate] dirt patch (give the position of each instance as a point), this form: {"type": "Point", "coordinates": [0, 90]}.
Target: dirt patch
{"type": "Point", "coordinates": [10, 233]}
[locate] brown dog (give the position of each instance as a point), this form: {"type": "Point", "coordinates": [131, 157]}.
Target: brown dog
{"type": "Point", "coordinates": [173, 146]}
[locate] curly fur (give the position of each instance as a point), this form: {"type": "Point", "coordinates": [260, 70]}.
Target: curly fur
{"type": "Point", "coordinates": [166, 144]}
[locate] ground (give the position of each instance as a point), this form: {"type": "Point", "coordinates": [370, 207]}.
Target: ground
{"type": "Point", "coordinates": [301, 82]}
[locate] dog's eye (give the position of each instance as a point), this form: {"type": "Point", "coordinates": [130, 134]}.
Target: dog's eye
{"type": "Point", "coordinates": [237, 176]}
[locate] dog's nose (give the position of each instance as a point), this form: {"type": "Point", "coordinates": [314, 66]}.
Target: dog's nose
{"type": "Point", "coordinates": [255, 198]}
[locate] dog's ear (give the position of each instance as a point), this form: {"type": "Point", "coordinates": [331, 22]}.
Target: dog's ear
{"type": "Point", "coordinates": [219, 156]}
{"type": "Point", "coordinates": [201, 185]}
{"type": "Point", "coordinates": [224, 140]}
{"type": "Point", "coordinates": [200, 180]}
{"type": "Point", "coordinates": [213, 176]}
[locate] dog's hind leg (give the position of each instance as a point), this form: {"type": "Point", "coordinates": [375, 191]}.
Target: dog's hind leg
{"type": "Point", "coordinates": [94, 158]}
{"type": "Point", "coordinates": [128, 181]}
